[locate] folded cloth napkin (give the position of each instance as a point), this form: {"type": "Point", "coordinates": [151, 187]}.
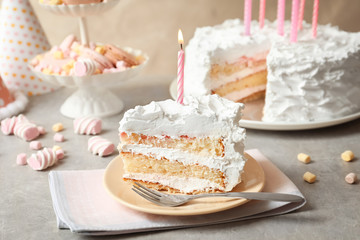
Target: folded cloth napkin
{"type": "Point", "coordinates": [82, 204]}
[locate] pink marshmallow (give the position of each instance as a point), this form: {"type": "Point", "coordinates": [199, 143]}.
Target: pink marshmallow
{"type": "Point", "coordinates": [41, 129]}
{"type": "Point", "coordinates": [67, 42]}
{"type": "Point", "coordinates": [27, 131]}
{"type": "Point", "coordinates": [35, 145]}
{"type": "Point", "coordinates": [87, 125]}
{"type": "Point", "coordinates": [21, 159]}
{"type": "Point", "coordinates": [8, 124]}
{"type": "Point", "coordinates": [58, 137]}
{"type": "Point", "coordinates": [60, 154]}
{"type": "Point", "coordinates": [42, 159]}
{"type": "Point", "coordinates": [100, 146]}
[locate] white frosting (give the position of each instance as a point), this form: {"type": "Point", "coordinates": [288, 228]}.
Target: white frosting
{"type": "Point", "coordinates": [314, 79]}
{"type": "Point", "coordinates": [206, 116]}
{"type": "Point", "coordinates": [311, 80]}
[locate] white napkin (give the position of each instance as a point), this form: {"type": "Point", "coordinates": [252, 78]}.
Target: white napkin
{"type": "Point", "coordinates": [82, 204]}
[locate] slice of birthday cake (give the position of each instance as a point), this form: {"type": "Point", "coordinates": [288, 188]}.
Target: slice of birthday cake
{"type": "Point", "coordinates": [191, 148]}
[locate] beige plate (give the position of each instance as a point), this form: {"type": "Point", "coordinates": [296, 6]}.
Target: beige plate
{"type": "Point", "coordinates": [253, 181]}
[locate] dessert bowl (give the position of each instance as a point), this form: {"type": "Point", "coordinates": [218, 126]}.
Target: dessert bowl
{"type": "Point", "coordinates": [93, 97]}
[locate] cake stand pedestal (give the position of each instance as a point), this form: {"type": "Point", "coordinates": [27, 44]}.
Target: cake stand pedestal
{"type": "Point", "coordinates": [91, 101]}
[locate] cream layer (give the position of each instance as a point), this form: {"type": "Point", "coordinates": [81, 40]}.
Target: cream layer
{"type": "Point", "coordinates": [237, 95]}
{"type": "Point", "coordinates": [185, 185]}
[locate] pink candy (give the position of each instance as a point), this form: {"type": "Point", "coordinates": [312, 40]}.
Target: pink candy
{"type": "Point", "coordinates": [41, 129]}
{"type": "Point", "coordinates": [100, 146]}
{"type": "Point", "coordinates": [35, 145]}
{"type": "Point", "coordinates": [42, 159]}
{"type": "Point", "coordinates": [8, 124]}
{"type": "Point", "coordinates": [84, 67]}
{"type": "Point", "coordinates": [21, 159]}
{"type": "Point", "coordinates": [60, 154]}
{"type": "Point", "coordinates": [58, 137]}
{"type": "Point", "coordinates": [87, 125]}
{"type": "Point", "coordinates": [26, 131]}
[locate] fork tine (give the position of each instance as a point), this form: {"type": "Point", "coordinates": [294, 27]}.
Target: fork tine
{"type": "Point", "coordinates": [158, 194]}
{"type": "Point", "coordinates": [146, 193]}
{"type": "Point", "coordinates": [157, 202]}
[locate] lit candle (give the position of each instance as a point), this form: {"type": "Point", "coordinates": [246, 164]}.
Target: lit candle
{"type": "Point", "coordinates": [301, 13]}
{"type": "Point", "coordinates": [180, 75]}
{"type": "Point", "coordinates": [294, 20]}
{"type": "Point", "coordinates": [247, 16]}
{"type": "Point", "coordinates": [315, 18]}
{"type": "Point", "coordinates": [280, 17]}
{"type": "Point", "coordinates": [262, 13]}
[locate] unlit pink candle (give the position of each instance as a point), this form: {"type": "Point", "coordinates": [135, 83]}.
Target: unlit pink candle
{"type": "Point", "coordinates": [294, 20]}
{"type": "Point", "coordinates": [180, 75]}
{"type": "Point", "coordinates": [280, 17]}
{"type": "Point", "coordinates": [262, 13]}
{"type": "Point", "coordinates": [301, 13]}
{"type": "Point", "coordinates": [247, 16]}
{"type": "Point", "coordinates": [315, 18]}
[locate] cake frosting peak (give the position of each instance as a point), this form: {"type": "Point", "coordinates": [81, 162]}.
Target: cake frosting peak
{"type": "Point", "coordinates": [201, 116]}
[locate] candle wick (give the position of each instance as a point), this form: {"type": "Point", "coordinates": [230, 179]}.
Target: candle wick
{"type": "Point", "coordinates": [181, 46]}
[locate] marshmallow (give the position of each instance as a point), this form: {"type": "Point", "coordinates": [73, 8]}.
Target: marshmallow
{"type": "Point", "coordinates": [8, 124]}
{"type": "Point", "coordinates": [100, 146]}
{"type": "Point", "coordinates": [58, 137]}
{"type": "Point", "coordinates": [56, 147]}
{"type": "Point", "coordinates": [347, 156]}
{"type": "Point", "coordinates": [87, 125]}
{"type": "Point", "coordinates": [60, 154]}
{"type": "Point", "coordinates": [21, 159]}
{"type": "Point", "coordinates": [42, 159]}
{"type": "Point", "coordinates": [309, 177]}
{"type": "Point", "coordinates": [351, 178]}
{"type": "Point", "coordinates": [57, 127]}
{"type": "Point", "coordinates": [35, 145]}
{"type": "Point", "coordinates": [26, 131]}
{"type": "Point", "coordinates": [302, 157]}
{"type": "Point", "coordinates": [41, 129]}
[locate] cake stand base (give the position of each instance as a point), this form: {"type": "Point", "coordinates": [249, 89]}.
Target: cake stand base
{"type": "Point", "coordinates": [97, 102]}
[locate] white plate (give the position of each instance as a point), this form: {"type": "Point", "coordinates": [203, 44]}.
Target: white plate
{"type": "Point", "coordinates": [253, 113]}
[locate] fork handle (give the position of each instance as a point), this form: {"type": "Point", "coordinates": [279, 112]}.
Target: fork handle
{"type": "Point", "coordinates": [281, 197]}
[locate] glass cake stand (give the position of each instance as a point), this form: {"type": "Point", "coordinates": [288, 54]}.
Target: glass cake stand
{"type": "Point", "coordinates": [93, 97]}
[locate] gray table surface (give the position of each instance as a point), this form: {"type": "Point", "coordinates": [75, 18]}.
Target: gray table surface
{"type": "Point", "coordinates": [332, 211]}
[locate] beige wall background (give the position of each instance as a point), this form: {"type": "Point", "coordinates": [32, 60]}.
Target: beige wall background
{"type": "Point", "coordinates": [152, 25]}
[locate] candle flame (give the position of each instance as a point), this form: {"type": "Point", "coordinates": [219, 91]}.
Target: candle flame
{"type": "Point", "coordinates": [180, 37]}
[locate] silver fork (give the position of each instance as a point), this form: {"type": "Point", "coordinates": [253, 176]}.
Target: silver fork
{"type": "Point", "coordinates": [173, 200]}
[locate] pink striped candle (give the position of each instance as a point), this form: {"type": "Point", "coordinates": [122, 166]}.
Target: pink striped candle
{"type": "Point", "coordinates": [294, 20]}
{"type": "Point", "coordinates": [247, 16]}
{"type": "Point", "coordinates": [280, 17]}
{"type": "Point", "coordinates": [315, 18]}
{"type": "Point", "coordinates": [301, 14]}
{"type": "Point", "coordinates": [262, 13]}
{"type": "Point", "coordinates": [180, 72]}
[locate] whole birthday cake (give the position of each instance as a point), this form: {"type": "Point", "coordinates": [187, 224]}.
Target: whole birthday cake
{"type": "Point", "coordinates": [313, 79]}
{"type": "Point", "coordinates": [191, 148]}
